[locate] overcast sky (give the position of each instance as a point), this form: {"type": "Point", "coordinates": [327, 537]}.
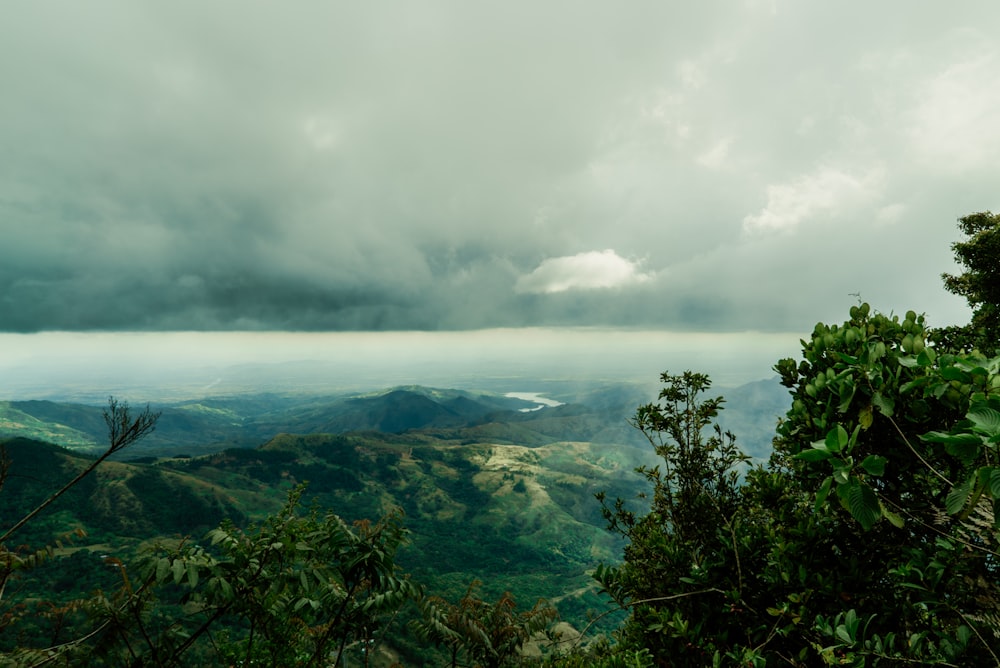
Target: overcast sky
{"type": "Point", "coordinates": [318, 166]}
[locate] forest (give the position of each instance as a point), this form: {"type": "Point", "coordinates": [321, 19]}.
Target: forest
{"type": "Point", "coordinates": [869, 538]}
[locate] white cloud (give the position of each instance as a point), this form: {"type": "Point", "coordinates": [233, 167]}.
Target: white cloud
{"type": "Point", "coordinates": [691, 74]}
{"type": "Point", "coordinates": [321, 133]}
{"type": "Point", "coordinates": [715, 157]}
{"type": "Point", "coordinates": [822, 192]}
{"type": "Point", "coordinates": [956, 123]}
{"type": "Point", "coordinates": [890, 214]}
{"type": "Point", "coordinates": [583, 271]}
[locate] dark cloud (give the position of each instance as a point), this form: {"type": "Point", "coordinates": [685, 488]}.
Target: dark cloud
{"type": "Point", "coordinates": [231, 166]}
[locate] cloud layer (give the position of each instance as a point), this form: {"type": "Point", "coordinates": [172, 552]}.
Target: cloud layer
{"type": "Point", "coordinates": [584, 271]}
{"type": "Point", "coordinates": [451, 165]}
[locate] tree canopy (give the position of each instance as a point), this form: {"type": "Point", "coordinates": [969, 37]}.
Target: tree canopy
{"type": "Point", "coordinates": [979, 284]}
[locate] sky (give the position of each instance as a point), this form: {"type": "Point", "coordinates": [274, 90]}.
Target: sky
{"type": "Point", "coordinates": [734, 169]}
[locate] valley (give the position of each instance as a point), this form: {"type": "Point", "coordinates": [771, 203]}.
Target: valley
{"type": "Point", "coordinates": [489, 491]}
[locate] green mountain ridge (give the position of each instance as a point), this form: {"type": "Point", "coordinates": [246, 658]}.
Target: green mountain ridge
{"type": "Point", "coordinates": [589, 413]}
{"type": "Point", "coordinates": [488, 492]}
{"type": "Point", "coordinates": [518, 518]}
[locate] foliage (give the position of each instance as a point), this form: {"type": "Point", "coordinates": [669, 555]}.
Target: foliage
{"type": "Point", "coordinates": [788, 569]}
{"type": "Point", "coordinates": [680, 567]}
{"type": "Point", "coordinates": [482, 633]}
{"type": "Point", "coordinates": [979, 284]}
{"type": "Point", "coordinates": [863, 397]}
{"type": "Point", "coordinates": [304, 588]}
{"type": "Point", "coordinates": [296, 590]}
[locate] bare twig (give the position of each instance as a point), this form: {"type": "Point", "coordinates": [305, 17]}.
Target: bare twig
{"type": "Point", "coordinates": [123, 431]}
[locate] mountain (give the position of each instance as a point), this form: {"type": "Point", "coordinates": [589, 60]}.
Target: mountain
{"type": "Point", "coordinates": [752, 411]}
{"type": "Point", "coordinates": [493, 487]}
{"type": "Point", "coordinates": [119, 502]}
{"type": "Point", "coordinates": [518, 518]}
{"type": "Point", "coordinates": [395, 411]}
{"type": "Point", "coordinates": [589, 412]}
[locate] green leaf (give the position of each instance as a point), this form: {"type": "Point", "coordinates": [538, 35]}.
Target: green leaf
{"type": "Point", "coordinates": [178, 569]}
{"type": "Point", "coordinates": [986, 419]}
{"type": "Point", "coordinates": [908, 387]}
{"type": "Point", "coordinates": [926, 357]}
{"type": "Point", "coordinates": [957, 497]}
{"type": "Point", "coordinates": [836, 439]}
{"type": "Point", "coordinates": [851, 621]}
{"type": "Point", "coordinates": [954, 373]}
{"type": "Point", "coordinates": [965, 446]}
{"type": "Point", "coordinates": [886, 405]}
{"type": "Point", "coordinates": [894, 519]}
{"type": "Point", "coordinates": [994, 483]}
{"type": "Point", "coordinates": [814, 454]}
{"type": "Point", "coordinates": [841, 475]}
{"type": "Point", "coordinates": [874, 465]}
{"type": "Point", "coordinates": [865, 417]}
{"type": "Point", "coordinates": [822, 493]}
{"type": "Point", "coordinates": [162, 569]}
{"type": "Point", "coordinates": [862, 503]}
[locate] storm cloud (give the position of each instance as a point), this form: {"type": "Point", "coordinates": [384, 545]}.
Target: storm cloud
{"type": "Point", "coordinates": [451, 165]}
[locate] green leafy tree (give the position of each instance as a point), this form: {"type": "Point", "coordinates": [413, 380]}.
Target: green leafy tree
{"type": "Point", "coordinates": [297, 590]}
{"type": "Point", "coordinates": [681, 566]}
{"type": "Point", "coordinates": [478, 632]}
{"type": "Point", "coordinates": [864, 394]}
{"type": "Point", "coordinates": [979, 284]}
{"type": "Point", "coordinates": [870, 537]}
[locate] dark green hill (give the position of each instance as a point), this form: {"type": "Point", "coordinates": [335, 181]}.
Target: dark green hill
{"type": "Point", "coordinates": [597, 413]}
{"type": "Point", "coordinates": [392, 411]}
{"type": "Point", "coordinates": [516, 517]}
{"type": "Point", "coordinates": [489, 492]}
{"type": "Point", "coordinates": [117, 502]}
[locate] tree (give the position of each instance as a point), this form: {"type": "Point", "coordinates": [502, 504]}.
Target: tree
{"type": "Point", "coordinates": [865, 396]}
{"type": "Point", "coordinates": [680, 564]}
{"type": "Point", "coordinates": [869, 538]}
{"type": "Point", "coordinates": [487, 634]}
{"type": "Point", "coordinates": [979, 284]}
{"type": "Point", "coordinates": [295, 590]}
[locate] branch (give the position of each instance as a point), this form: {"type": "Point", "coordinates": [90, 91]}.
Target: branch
{"type": "Point", "coordinates": [914, 451]}
{"type": "Point", "coordinates": [122, 432]}
{"type": "Point", "coordinates": [631, 604]}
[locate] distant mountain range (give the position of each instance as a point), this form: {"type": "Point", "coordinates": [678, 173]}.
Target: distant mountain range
{"type": "Point", "coordinates": [592, 413]}
{"type": "Point", "coordinates": [489, 491]}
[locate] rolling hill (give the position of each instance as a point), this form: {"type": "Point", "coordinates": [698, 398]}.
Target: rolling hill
{"type": "Point", "coordinates": [493, 488]}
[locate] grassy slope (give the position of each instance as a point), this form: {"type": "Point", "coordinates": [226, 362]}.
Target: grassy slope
{"type": "Point", "coordinates": [517, 518]}
{"type": "Point", "coordinates": [505, 497]}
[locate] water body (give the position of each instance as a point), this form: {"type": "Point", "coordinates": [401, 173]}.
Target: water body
{"type": "Point", "coordinates": [537, 398]}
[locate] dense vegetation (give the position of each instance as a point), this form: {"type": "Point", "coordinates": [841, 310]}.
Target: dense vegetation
{"type": "Point", "coordinates": [870, 537]}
